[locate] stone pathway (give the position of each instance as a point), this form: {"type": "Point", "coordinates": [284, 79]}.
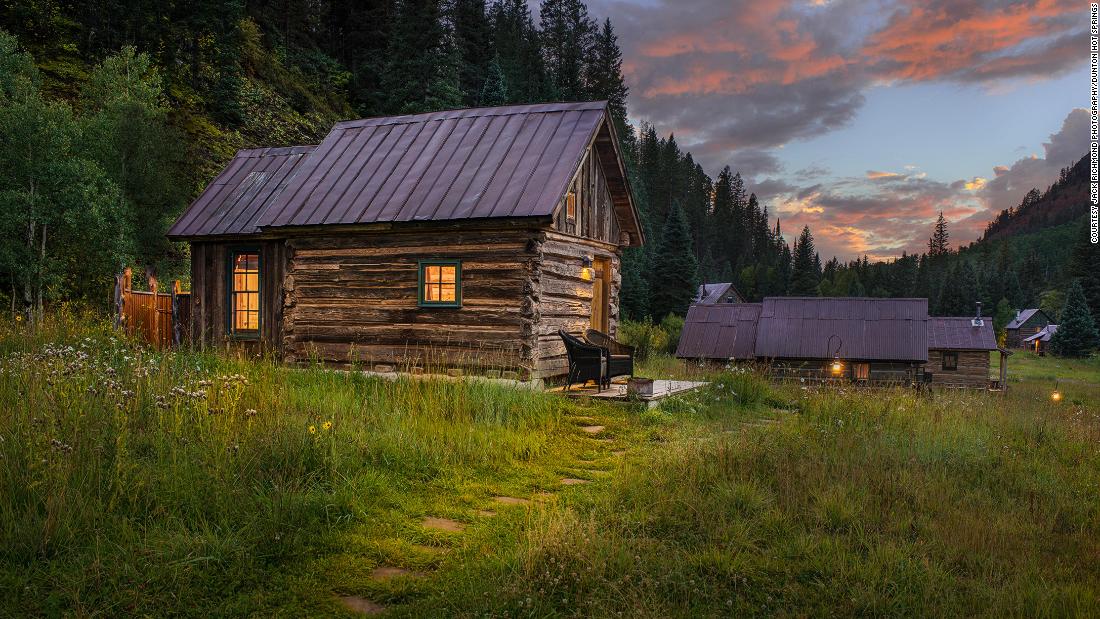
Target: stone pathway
{"type": "Point", "coordinates": [386, 572]}
{"type": "Point", "coordinates": [443, 524]}
{"type": "Point", "coordinates": [593, 429]}
{"type": "Point", "coordinates": [511, 500]}
{"type": "Point", "coordinates": [573, 481]}
{"type": "Point", "coordinates": [362, 605]}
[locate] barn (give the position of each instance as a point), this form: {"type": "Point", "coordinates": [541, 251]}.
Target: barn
{"type": "Point", "coordinates": [463, 238]}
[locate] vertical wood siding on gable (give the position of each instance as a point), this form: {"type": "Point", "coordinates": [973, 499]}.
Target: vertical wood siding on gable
{"type": "Point", "coordinates": [595, 211]}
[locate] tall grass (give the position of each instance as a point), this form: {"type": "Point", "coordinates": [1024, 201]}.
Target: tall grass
{"type": "Point", "coordinates": [130, 474]}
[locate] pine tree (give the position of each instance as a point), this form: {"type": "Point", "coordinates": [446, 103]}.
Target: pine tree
{"type": "Point", "coordinates": [961, 290]}
{"type": "Point", "coordinates": [675, 277]}
{"type": "Point", "coordinates": [937, 244]}
{"type": "Point", "coordinates": [422, 68]}
{"type": "Point", "coordinates": [1085, 266]}
{"type": "Point", "coordinates": [1077, 335]}
{"type": "Point", "coordinates": [516, 42]}
{"type": "Point", "coordinates": [603, 75]}
{"type": "Point", "coordinates": [805, 277]}
{"type": "Point", "coordinates": [495, 91]}
{"type": "Point", "coordinates": [567, 37]}
{"type": "Point", "coordinates": [473, 38]}
{"type": "Point", "coordinates": [1003, 315]}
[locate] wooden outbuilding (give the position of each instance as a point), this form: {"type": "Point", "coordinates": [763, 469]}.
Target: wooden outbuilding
{"type": "Point", "coordinates": [464, 238]}
{"type": "Point", "coordinates": [959, 352]}
{"type": "Point", "coordinates": [1040, 342]}
{"type": "Point", "coordinates": [713, 294]}
{"type": "Point", "coordinates": [1026, 323]}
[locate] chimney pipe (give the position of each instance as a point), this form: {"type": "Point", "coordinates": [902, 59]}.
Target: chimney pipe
{"type": "Point", "coordinates": [979, 314]}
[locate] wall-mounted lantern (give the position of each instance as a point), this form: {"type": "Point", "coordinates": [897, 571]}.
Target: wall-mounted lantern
{"type": "Point", "coordinates": [586, 269]}
{"type": "Point", "coordinates": [837, 365]}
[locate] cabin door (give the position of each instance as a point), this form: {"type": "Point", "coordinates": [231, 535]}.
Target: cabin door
{"type": "Point", "coordinates": [601, 294]}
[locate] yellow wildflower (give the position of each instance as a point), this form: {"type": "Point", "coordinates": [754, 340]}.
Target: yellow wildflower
{"type": "Point", "coordinates": [313, 429]}
{"type": "Point", "coordinates": [327, 425]}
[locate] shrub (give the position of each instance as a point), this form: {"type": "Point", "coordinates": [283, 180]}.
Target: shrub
{"type": "Point", "coordinates": [646, 337]}
{"type": "Point", "coordinates": [672, 325]}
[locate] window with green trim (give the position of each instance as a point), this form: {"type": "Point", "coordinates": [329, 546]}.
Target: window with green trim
{"type": "Point", "coordinates": [244, 294]}
{"type": "Point", "coordinates": [440, 283]}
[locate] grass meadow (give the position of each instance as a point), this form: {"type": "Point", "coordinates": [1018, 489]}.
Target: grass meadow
{"type": "Point", "coordinates": [137, 482]}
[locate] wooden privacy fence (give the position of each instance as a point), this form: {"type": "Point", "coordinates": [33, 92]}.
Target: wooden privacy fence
{"type": "Point", "coordinates": [159, 318]}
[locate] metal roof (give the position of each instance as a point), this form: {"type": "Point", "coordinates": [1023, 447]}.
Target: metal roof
{"type": "Point", "coordinates": [719, 331]}
{"type": "Point", "coordinates": [709, 294]}
{"type": "Point", "coordinates": [231, 204]}
{"type": "Point", "coordinates": [1022, 317]}
{"type": "Point", "coordinates": [510, 161]}
{"type": "Point", "coordinates": [1044, 335]}
{"type": "Point", "coordinates": [866, 329]}
{"type": "Point", "coordinates": [957, 333]}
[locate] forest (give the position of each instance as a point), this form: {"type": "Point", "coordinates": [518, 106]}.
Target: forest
{"type": "Point", "coordinates": [115, 114]}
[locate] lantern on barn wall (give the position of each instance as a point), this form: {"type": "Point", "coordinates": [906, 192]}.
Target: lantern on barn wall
{"type": "Point", "coordinates": [836, 367]}
{"type": "Point", "coordinates": [586, 269]}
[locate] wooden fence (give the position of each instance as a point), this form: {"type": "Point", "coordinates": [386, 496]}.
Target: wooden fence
{"type": "Point", "coordinates": [159, 318]}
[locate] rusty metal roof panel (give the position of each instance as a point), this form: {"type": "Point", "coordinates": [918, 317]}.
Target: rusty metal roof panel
{"type": "Point", "coordinates": [247, 185]}
{"type": "Point", "coordinates": [722, 331]}
{"type": "Point", "coordinates": [865, 328]}
{"type": "Point", "coordinates": [956, 333]}
{"type": "Point", "coordinates": [512, 161]}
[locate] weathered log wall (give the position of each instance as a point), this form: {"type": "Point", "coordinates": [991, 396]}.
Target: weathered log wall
{"type": "Point", "coordinates": [210, 302]}
{"type": "Point", "coordinates": [564, 298]}
{"type": "Point", "coordinates": [353, 298]}
{"type": "Point", "coordinates": [973, 368]}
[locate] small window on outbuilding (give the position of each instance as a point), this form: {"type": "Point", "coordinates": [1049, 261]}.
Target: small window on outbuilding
{"type": "Point", "coordinates": [950, 360]}
{"type": "Point", "coordinates": [440, 283]}
{"type": "Point", "coordinates": [571, 206]}
{"type": "Point", "coordinates": [244, 294]}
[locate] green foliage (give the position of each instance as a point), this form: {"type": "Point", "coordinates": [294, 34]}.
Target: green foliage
{"type": "Point", "coordinates": [672, 325]}
{"type": "Point", "coordinates": [62, 224]}
{"type": "Point", "coordinates": [805, 273]}
{"type": "Point", "coordinates": [961, 291]}
{"type": "Point", "coordinates": [1001, 317]}
{"type": "Point", "coordinates": [495, 91]}
{"type": "Point", "coordinates": [1084, 265]}
{"type": "Point", "coordinates": [675, 277]}
{"type": "Point", "coordinates": [647, 338]}
{"type": "Point", "coordinates": [1077, 335]}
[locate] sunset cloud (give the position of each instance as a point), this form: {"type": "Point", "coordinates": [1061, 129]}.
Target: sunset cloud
{"type": "Point", "coordinates": [736, 81]}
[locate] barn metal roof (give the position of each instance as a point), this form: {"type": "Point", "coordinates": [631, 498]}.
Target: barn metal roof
{"type": "Point", "coordinates": [956, 333]}
{"type": "Point", "coordinates": [510, 161]}
{"type": "Point", "coordinates": [231, 204]}
{"type": "Point", "coordinates": [867, 329]}
{"type": "Point", "coordinates": [719, 331]}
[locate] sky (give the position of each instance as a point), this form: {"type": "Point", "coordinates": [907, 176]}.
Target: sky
{"type": "Point", "coordinates": [865, 119]}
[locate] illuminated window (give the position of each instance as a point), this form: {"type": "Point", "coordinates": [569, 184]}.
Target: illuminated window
{"type": "Point", "coordinates": [571, 206]}
{"type": "Point", "coordinates": [950, 360]}
{"type": "Point", "coordinates": [244, 294]}
{"type": "Point", "coordinates": [440, 283]}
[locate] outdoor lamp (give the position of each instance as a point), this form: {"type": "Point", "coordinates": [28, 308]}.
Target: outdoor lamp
{"type": "Point", "coordinates": [586, 269]}
{"type": "Point", "coordinates": [837, 365]}
{"type": "Point", "coordinates": [1056, 396]}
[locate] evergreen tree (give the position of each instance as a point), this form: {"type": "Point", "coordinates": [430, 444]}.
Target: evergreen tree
{"type": "Point", "coordinates": [675, 278]}
{"type": "Point", "coordinates": [805, 276]}
{"type": "Point", "coordinates": [1003, 315]}
{"type": "Point", "coordinates": [937, 244]}
{"type": "Point", "coordinates": [960, 291]}
{"type": "Point", "coordinates": [421, 72]}
{"type": "Point", "coordinates": [495, 91]}
{"type": "Point", "coordinates": [567, 38]}
{"type": "Point", "coordinates": [473, 38]}
{"type": "Point", "coordinates": [603, 76]}
{"type": "Point", "coordinates": [634, 294]}
{"type": "Point", "coordinates": [1077, 335]}
{"type": "Point", "coordinates": [1085, 267]}
{"type": "Point", "coordinates": [516, 41]}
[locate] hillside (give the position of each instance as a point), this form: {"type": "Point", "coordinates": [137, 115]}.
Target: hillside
{"type": "Point", "coordinates": [1065, 200]}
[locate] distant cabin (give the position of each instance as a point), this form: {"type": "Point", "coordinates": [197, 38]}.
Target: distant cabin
{"type": "Point", "coordinates": [1026, 323]}
{"type": "Point", "coordinates": [1040, 342]}
{"type": "Point", "coordinates": [460, 238]}
{"type": "Point", "coordinates": [712, 294]}
{"type": "Point", "coordinates": [959, 351]}
{"type": "Point", "coordinates": [862, 340]}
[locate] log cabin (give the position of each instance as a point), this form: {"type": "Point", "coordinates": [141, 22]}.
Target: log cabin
{"type": "Point", "coordinates": [463, 238]}
{"type": "Point", "coordinates": [1026, 323]}
{"type": "Point", "coordinates": [959, 352]}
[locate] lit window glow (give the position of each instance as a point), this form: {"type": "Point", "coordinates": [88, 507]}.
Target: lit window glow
{"type": "Point", "coordinates": [245, 293]}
